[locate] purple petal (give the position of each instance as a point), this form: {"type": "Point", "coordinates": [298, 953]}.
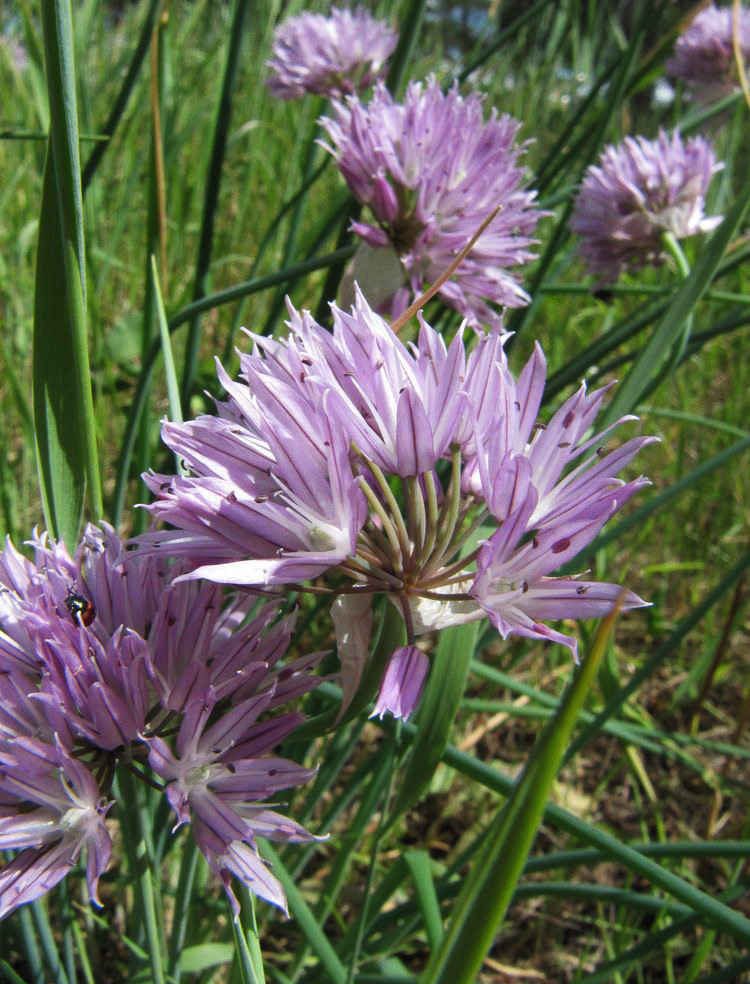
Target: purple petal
{"type": "Point", "coordinates": [402, 683]}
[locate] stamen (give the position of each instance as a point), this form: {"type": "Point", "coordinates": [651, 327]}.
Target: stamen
{"type": "Point", "coordinates": [369, 552]}
{"type": "Point", "coordinates": [458, 542]}
{"type": "Point", "coordinates": [384, 580]}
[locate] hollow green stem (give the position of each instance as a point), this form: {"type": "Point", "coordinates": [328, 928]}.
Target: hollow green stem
{"type": "Point", "coordinates": [140, 864]}
{"type": "Point", "coordinates": [672, 246]}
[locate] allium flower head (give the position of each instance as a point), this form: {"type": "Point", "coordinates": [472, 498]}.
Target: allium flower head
{"type": "Point", "coordinates": [639, 190]}
{"type": "Point", "coordinates": [336, 55]}
{"type": "Point", "coordinates": [704, 54]}
{"type": "Point", "coordinates": [409, 449]}
{"type": "Point", "coordinates": [101, 664]}
{"type": "Point", "coordinates": [431, 171]}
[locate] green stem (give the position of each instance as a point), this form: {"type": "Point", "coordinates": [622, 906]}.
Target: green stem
{"type": "Point", "coordinates": [55, 968]}
{"type": "Point", "coordinates": [674, 249]}
{"type": "Point", "coordinates": [141, 869]}
{"type": "Point", "coordinates": [182, 904]}
{"type": "Point", "coordinates": [672, 246]}
{"type": "Point", "coordinates": [245, 931]}
{"type": "Point", "coordinates": [28, 936]}
{"type": "Point", "coordinates": [211, 198]}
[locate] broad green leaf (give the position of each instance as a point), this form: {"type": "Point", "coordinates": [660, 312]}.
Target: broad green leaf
{"type": "Point", "coordinates": [63, 404]}
{"type": "Point", "coordinates": [58, 415]}
{"type": "Point", "coordinates": [198, 958]}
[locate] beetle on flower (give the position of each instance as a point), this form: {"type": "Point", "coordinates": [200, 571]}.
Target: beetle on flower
{"type": "Point", "coordinates": [176, 677]}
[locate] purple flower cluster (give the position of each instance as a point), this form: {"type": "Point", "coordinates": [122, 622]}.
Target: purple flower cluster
{"type": "Point", "coordinates": [638, 191]}
{"type": "Point", "coordinates": [336, 55]}
{"type": "Point", "coordinates": [431, 171]}
{"type": "Point", "coordinates": [704, 54]}
{"type": "Point", "coordinates": [417, 471]}
{"type": "Point", "coordinates": [105, 666]}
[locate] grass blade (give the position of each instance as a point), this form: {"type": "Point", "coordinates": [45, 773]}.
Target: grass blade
{"type": "Point", "coordinates": [121, 101]}
{"type": "Point", "coordinates": [170, 373]}
{"type": "Point", "coordinates": [73, 436]}
{"type": "Point", "coordinates": [213, 180]}
{"type": "Point", "coordinates": [420, 868]}
{"type": "Point", "coordinates": [492, 882]}
{"type": "Point", "coordinates": [57, 410]}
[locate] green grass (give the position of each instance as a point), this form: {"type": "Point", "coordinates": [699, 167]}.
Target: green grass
{"type": "Point", "coordinates": [666, 767]}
